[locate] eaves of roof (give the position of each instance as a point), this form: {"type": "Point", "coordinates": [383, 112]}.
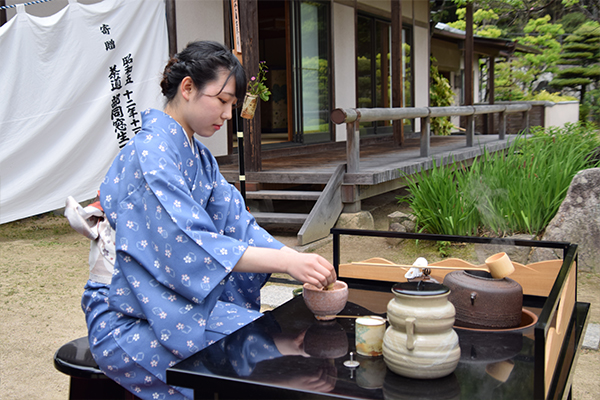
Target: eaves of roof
{"type": "Point", "coordinates": [497, 47]}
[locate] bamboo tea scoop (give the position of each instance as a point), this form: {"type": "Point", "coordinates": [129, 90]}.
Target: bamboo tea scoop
{"type": "Point", "coordinates": [358, 316]}
{"type": "Point", "coordinates": [499, 265]}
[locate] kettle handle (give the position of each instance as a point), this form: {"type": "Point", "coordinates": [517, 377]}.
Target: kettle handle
{"type": "Point", "coordinates": [410, 333]}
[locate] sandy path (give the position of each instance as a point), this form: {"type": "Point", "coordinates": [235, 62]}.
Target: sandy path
{"type": "Point", "coordinates": [42, 273]}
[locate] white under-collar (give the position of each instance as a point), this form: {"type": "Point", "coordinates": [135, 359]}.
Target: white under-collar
{"type": "Point", "coordinates": [192, 142]}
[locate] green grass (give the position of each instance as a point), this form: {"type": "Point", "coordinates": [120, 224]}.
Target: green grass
{"type": "Point", "coordinates": [36, 228]}
{"type": "Point", "coordinates": [519, 190]}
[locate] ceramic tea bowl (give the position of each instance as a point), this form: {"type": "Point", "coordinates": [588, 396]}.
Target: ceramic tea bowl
{"type": "Point", "coordinates": [325, 304]}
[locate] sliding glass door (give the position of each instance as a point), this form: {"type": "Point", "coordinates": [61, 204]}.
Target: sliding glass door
{"type": "Point", "coordinates": [312, 72]}
{"type": "Point", "coordinates": [374, 70]}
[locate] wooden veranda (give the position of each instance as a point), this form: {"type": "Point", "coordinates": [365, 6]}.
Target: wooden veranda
{"type": "Point", "coordinates": [379, 162]}
{"type": "Point", "coordinates": [324, 180]}
{"type": "Point", "coordinates": [319, 175]}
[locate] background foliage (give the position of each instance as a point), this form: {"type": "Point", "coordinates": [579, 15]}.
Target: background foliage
{"type": "Point", "coordinates": [440, 95]}
{"type": "Point", "coordinates": [519, 190]}
{"type": "Point", "coordinates": [566, 34]}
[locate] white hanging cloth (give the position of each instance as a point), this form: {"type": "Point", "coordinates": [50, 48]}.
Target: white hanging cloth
{"type": "Point", "coordinates": [73, 87]}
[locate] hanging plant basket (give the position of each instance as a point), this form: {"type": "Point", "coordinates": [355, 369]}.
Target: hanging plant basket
{"type": "Point", "coordinates": [249, 106]}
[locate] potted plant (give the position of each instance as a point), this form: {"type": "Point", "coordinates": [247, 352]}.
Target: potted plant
{"type": "Point", "coordinates": [256, 89]}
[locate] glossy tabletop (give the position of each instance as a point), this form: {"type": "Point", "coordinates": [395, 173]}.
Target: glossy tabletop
{"type": "Point", "coordinates": [289, 354]}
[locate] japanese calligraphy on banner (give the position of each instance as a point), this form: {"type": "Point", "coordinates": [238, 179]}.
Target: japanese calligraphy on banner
{"type": "Point", "coordinates": [73, 87]}
{"type": "Point", "coordinates": [118, 117]}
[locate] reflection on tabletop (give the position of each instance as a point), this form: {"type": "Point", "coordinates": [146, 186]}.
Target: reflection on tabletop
{"type": "Point", "coordinates": [309, 354]}
{"type": "Point", "coordinates": [292, 349]}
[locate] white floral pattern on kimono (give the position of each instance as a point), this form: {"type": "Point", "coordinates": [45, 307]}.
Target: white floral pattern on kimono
{"type": "Point", "coordinates": [180, 230]}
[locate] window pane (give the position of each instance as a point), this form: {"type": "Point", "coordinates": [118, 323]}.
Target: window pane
{"type": "Point", "coordinates": [407, 78]}
{"type": "Point", "coordinates": [365, 81]}
{"type": "Point", "coordinates": [382, 72]}
{"type": "Point", "coordinates": [314, 65]}
{"type": "Point", "coordinates": [407, 71]}
{"type": "Point", "coordinates": [374, 70]}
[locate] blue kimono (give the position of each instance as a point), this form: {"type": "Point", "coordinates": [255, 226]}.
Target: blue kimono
{"type": "Point", "coordinates": [180, 230]}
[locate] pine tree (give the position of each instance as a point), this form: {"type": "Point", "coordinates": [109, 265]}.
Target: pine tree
{"type": "Point", "coordinates": [581, 56]}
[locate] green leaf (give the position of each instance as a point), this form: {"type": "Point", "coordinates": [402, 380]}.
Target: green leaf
{"type": "Point", "coordinates": [519, 190]}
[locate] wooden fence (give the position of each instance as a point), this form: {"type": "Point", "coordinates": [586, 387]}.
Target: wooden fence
{"type": "Point", "coordinates": [352, 116]}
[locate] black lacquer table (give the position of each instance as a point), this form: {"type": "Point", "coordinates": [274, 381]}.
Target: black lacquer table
{"type": "Point", "coordinates": [288, 354]}
{"type": "Point", "coordinates": [321, 372]}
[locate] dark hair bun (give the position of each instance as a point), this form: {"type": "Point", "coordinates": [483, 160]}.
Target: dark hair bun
{"type": "Point", "coordinates": [164, 83]}
{"type": "Point", "coordinates": [202, 62]}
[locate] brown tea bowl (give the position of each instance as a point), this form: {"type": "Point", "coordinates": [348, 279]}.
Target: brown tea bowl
{"type": "Point", "coordinates": [325, 304]}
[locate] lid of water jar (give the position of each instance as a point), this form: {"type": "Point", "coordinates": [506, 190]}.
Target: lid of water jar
{"type": "Point", "coordinates": [420, 288]}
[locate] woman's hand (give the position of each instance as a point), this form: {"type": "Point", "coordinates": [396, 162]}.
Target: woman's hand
{"type": "Point", "coordinates": [311, 268]}
{"type": "Point", "coordinates": [307, 268]}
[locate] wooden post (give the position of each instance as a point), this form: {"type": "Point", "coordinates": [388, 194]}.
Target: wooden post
{"type": "Point", "coordinates": [491, 92]}
{"type": "Point", "coordinates": [3, 17]}
{"type": "Point", "coordinates": [526, 121]}
{"type": "Point", "coordinates": [248, 11]}
{"type": "Point", "coordinates": [397, 67]}
{"type": "Point", "coordinates": [543, 118]}
{"type": "Point", "coordinates": [425, 136]}
{"type": "Point", "coordinates": [502, 127]}
{"type": "Point", "coordinates": [470, 130]}
{"type": "Point", "coordinates": [352, 166]}
{"type": "Point", "coordinates": [171, 27]}
{"type": "Point", "coordinates": [353, 147]}
{"type": "Point", "coordinates": [469, 55]}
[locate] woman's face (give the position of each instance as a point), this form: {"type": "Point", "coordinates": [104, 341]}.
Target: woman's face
{"type": "Point", "coordinates": [206, 110]}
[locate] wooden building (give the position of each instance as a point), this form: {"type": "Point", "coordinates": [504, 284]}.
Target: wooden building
{"type": "Point", "coordinates": [322, 55]}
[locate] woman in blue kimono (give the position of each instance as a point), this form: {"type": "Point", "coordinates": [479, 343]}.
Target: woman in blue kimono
{"type": "Point", "coordinates": [190, 259]}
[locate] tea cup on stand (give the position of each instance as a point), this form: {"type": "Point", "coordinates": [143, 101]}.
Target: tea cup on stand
{"type": "Point", "coordinates": [368, 333]}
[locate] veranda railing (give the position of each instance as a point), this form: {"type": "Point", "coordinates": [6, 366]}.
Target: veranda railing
{"type": "Point", "coordinates": [352, 116]}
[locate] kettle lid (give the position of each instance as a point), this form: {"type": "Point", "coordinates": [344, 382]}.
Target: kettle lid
{"type": "Point", "coordinates": [420, 288]}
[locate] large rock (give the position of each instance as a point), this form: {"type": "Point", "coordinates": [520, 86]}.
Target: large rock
{"type": "Point", "coordinates": [359, 220]}
{"type": "Point", "coordinates": [518, 254]}
{"type": "Point", "coordinates": [577, 221]}
{"type": "Point", "coordinates": [400, 222]}
{"type": "Point", "coordinates": [407, 221]}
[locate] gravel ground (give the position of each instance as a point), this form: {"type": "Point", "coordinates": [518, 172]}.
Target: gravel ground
{"type": "Point", "coordinates": [43, 268]}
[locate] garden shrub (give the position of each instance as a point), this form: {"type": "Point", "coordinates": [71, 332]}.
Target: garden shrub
{"type": "Point", "coordinates": [512, 191]}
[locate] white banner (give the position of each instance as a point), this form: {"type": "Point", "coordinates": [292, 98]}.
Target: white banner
{"type": "Point", "coordinates": [73, 86]}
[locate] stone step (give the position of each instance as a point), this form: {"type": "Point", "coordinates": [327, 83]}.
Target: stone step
{"type": "Point", "coordinates": [591, 340]}
{"type": "Point", "coordinates": [279, 218]}
{"type": "Point", "coordinates": [274, 295]}
{"type": "Point", "coordinates": [284, 195]}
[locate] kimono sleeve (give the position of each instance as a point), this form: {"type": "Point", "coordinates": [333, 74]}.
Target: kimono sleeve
{"type": "Point", "coordinates": [231, 217]}
{"type": "Point", "coordinates": [162, 223]}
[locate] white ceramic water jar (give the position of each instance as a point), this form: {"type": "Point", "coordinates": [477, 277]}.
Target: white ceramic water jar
{"type": "Point", "coordinates": [420, 342]}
